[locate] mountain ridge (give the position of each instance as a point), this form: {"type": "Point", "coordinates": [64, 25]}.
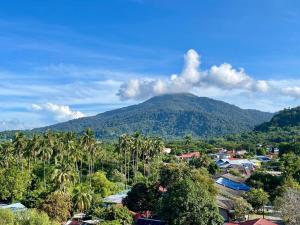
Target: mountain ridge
{"type": "Point", "coordinates": [289, 117]}
{"type": "Point", "coordinates": [169, 115]}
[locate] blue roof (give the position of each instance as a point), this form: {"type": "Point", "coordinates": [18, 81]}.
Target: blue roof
{"type": "Point", "coordinates": [232, 184]}
{"type": "Point", "coordinates": [117, 198]}
{"type": "Point", "coordinates": [14, 207]}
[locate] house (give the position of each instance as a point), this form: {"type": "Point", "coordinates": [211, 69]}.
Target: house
{"type": "Point", "coordinates": [254, 222]}
{"type": "Point", "coordinates": [228, 192]}
{"type": "Point", "coordinates": [189, 156]}
{"type": "Point", "coordinates": [234, 178]}
{"type": "Point", "coordinates": [227, 163]}
{"type": "Point", "coordinates": [226, 207]}
{"type": "Point", "coordinates": [232, 184]}
{"type": "Point", "coordinates": [222, 163]}
{"type": "Point", "coordinates": [16, 207]}
{"type": "Point", "coordinates": [115, 199]}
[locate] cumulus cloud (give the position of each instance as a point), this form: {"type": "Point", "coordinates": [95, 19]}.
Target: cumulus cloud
{"type": "Point", "coordinates": [60, 112]}
{"type": "Point", "coordinates": [223, 77]}
{"type": "Point", "coordinates": [189, 77]}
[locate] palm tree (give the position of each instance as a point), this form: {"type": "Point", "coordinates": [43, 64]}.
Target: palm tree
{"type": "Point", "coordinates": [63, 175]}
{"type": "Point", "coordinates": [82, 198]}
{"type": "Point", "coordinates": [46, 151]}
{"type": "Point", "coordinates": [58, 149]}
{"type": "Point", "coordinates": [6, 153]}
{"type": "Point", "coordinates": [124, 147]}
{"type": "Point", "coordinates": [88, 142]}
{"type": "Point", "coordinates": [145, 150]}
{"type": "Point", "coordinates": [155, 150]}
{"type": "Point", "coordinates": [32, 149]}
{"type": "Point", "coordinates": [19, 144]}
{"type": "Point", "coordinates": [136, 152]}
{"type": "Point", "coordinates": [36, 145]}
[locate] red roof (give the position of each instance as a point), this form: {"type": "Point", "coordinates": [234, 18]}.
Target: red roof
{"type": "Point", "coordinates": [190, 155]}
{"type": "Point", "coordinates": [254, 222]}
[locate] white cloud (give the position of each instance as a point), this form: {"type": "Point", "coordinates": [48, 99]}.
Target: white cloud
{"type": "Point", "coordinates": [60, 112]}
{"type": "Point", "coordinates": [191, 77]}
{"type": "Point", "coordinates": [190, 72]}
{"type": "Point", "coordinates": [224, 76]}
{"type": "Point", "coordinates": [145, 88]}
{"type": "Point", "coordinates": [261, 86]}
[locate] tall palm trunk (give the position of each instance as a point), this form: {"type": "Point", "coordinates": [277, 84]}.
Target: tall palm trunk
{"type": "Point", "coordinates": [44, 173]}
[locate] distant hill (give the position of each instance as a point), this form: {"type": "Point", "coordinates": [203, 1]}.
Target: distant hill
{"type": "Point", "coordinates": [170, 116]}
{"type": "Point", "coordinates": [283, 119]}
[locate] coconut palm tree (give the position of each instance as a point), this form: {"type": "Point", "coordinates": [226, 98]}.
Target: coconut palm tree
{"type": "Point", "coordinates": [88, 142]}
{"type": "Point", "coordinates": [32, 149]}
{"type": "Point", "coordinates": [82, 198]}
{"type": "Point", "coordinates": [125, 147]}
{"type": "Point", "coordinates": [19, 144]}
{"type": "Point", "coordinates": [63, 175]}
{"type": "Point", "coordinates": [6, 153]}
{"type": "Point", "coordinates": [35, 145]}
{"type": "Point", "coordinates": [46, 151]}
{"type": "Point", "coordinates": [137, 145]}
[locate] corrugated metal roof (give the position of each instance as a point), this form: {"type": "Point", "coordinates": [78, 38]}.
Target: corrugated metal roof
{"type": "Point", "coordinates": [117, 198]}
{"type": "Point", "coordinates": [233, 185]}
{"type": "Point", "coordinates": [14, 207]}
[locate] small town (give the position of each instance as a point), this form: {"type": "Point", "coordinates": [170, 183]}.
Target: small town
{"type": "Point", "coordinates": [142, 180]}
{"type": "Point", "coordinates": [150, 112]}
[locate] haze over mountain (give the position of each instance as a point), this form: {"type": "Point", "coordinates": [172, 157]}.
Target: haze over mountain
{"type": "Point", "coordinates": [170, 115]}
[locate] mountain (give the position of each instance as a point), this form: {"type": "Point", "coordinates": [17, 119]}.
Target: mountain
{"type": "Point", "coordinates": [170, 115]}
{"type": "Point", "coordinates": [283, 119]}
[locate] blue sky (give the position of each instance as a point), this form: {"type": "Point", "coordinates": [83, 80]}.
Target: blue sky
{"type": "Point", "coordinates": [63, 59]}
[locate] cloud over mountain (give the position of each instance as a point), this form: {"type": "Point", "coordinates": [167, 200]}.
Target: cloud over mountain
{"type": "Point", "coordinates": [223, 77]}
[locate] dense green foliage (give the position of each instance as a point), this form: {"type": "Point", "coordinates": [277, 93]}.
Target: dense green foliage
{"type": "Point", "coordinates": [188, 203]}
{"type": "Point", "coordinates": [258, 198]}
{"type": "Point", "coordinates": [267, 182]}
{"type": "Point", "coordinates": [29, 217]}
{"type": "Point", "coordinates": [142, 197]}
{"type": "Point", "coordinates": [168, 116]}
{"type": "Point", "coordinates": [116, 216]}
{"type": "Point", "coordinates": [285, 118]}
{"type": "Point", "coordinates": [66, 173]}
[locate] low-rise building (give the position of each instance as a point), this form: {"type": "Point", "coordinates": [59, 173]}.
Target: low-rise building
{"type": "Point", "coordinates": [115, 199]}
{"type": "Point", "coordinates": [253, 222]}
{"type": "Point", "coordinates": [189, 156]}
{"type": "Point", "coordinates": [15, 207]}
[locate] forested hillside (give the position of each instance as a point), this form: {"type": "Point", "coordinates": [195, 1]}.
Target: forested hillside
{"type": "Point", "coordinates": [286, 118]}
{"type": "Point", "coordinates": [172, 115]}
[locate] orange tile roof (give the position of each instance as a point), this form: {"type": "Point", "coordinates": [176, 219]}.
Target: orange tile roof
{"type": "Point", "coordinates": [190, 155]}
